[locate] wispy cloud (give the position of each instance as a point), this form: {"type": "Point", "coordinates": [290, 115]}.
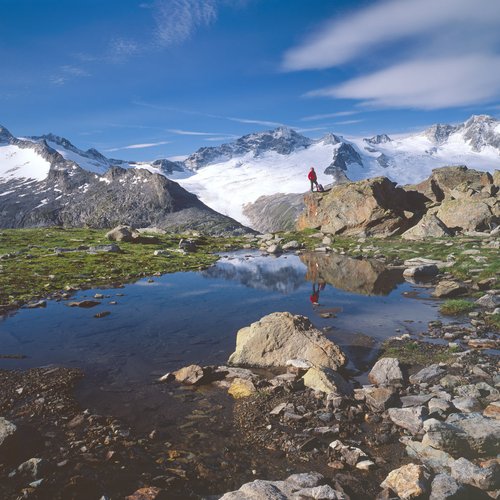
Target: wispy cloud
{"type": "Point", "coordinates": [325, 116]}
{"type": "Point", "coordinates": [139, 146]}
{"type": "Point", "coordinates": [449, 58]}
{"type": "Point", "coordinates": [176, 20]}
{"type": "Point", "coordinates": [66, 73]}
{"type": "Point", "coordinates": [121, 49]}
{"type": "Point", "coordinates": [191, 132]}
{"type": "Point", "coordinates": [266, 123]}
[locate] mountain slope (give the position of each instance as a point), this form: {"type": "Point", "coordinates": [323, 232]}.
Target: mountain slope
{"type": "Point", "coordinates": [39, 187]}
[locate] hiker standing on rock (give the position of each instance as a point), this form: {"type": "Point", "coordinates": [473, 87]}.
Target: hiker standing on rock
{"type": "Point", "coordinates": [313, 178]}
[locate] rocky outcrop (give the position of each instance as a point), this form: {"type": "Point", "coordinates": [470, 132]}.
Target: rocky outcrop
{"type": "Point", "coordinates": [469, 214]}
{"type": "Point", "coordinates": [451, 200]}
{"type": "Point", "coordinates": [279, 337]}
{"type": "Point", "coordinates": [445, 181]}
{"type": "Point", "coordinates": [369, 207]}
{"type": "Point", "coordinates": [430, 226]}
{"type": "Point", "coordinates": [278, 212]}
{"type": "Point", "coordinates": [305, 486]}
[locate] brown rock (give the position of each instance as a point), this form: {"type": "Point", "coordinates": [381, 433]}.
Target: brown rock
{"type": "Point", "coordinates": [374, 206]}
{"type": "Point", "coordinates": [409, 481]}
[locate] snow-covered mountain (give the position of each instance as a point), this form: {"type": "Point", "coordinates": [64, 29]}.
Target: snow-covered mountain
{"type": "Point", "coordinates": [48, 181]}
{"type": "Point", "coordinates": [229, 176]}
{"type": "Point", "coordinates": [232, 175]}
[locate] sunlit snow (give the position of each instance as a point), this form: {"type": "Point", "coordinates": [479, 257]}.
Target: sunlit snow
{"type": "Point", "coordinates": [16, 162]}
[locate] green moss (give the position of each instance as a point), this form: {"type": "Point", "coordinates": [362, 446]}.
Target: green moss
{"type": "Point", "coordinates": [493, 321]}
{"type": "Point", "coordinates": [454, 307]}
{"type": "Point", "coordinates": [410, 352]}
{"type": "Point", "coordinates": [33, 270]}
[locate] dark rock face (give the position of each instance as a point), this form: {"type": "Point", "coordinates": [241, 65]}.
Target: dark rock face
{"type": "Point", "coordinates": [75, 197]}
{"type": "Point", "coordinates": [282, 140]}
{"type": "Point", "coordinates": [342, 157]}
{"type": "Point", "coordinates": [378, 139]}
{"type": "Point", "coordinates": [278, 212]}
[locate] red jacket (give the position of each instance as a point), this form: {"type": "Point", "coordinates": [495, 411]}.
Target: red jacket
{"type": "Point", "coordinates": [311, 175]}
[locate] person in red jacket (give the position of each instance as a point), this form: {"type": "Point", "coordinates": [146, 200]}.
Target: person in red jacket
{"type": "Point", "coordinates": [313, 178]}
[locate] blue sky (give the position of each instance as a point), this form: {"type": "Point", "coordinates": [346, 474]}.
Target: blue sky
{"type": "Point", "coordinates": [147, 79]}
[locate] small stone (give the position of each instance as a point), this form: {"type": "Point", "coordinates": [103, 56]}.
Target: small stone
{"type": "Point", "coordinates": [411, 419]}
{"type": "Point", "coordinates": [386, 371]}
{"type": "Point", "coordinates": [428, 374]}
{"type": "Point", "coordinates": [365, 465]}
{"type": "Point", "coordinates": [241, 388]}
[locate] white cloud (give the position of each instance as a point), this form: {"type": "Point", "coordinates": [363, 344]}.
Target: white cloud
{"type": "Point", "coordinates": [434, 54]}
{"type": "Point", "coordinates": [121, 49]}
{"type": "Point", "coordinates": [67, 73]}
{"type": "Point", "coordinates": [176, 20]}
{"type": "Point", "coordinates": [324, 116]}
{"type": "Point", "coordinates": [139, 146]}
{"type": "Point", "coordinates": [266, 123]}
{"type": "Point", "coordinates": [425, 84]}
{"type": "Point", "coordinates": [191, 132]}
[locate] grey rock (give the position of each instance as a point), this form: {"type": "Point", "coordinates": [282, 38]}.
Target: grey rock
{"type": "Point", "coordinates": [327, 380]}
{"type": "Point", "coordinates": [448, 288]}
{"type": "Point", "coordinates": [437, 460]}
{"type": "Point", "coordinates": [112, 248]}
{"type": "Point", "coordinates": [444, 487]}
{"type": "Point", "coordinates": [279, 337]}
{"type": "Point", "coordinates": [7, 430]}
{"type": "Point", "coordinates": [427, 375]}
{"type": "Point", "coordinates": [421, 271]}
{"type": "Point", "coordinates": [411, 419]}
{"type": "Point", "coordinates": [482, 434]}
{"type": "Point", "coordinates": [467, 405]}
{"type": "Point", "coordinates": [386, 371]}
{"type": "Point", "coordinates": [415, 400]}
{"type": "Point", "coordinates": [121, 233]}
{"type": "Point", "coordinates": [445, 436]}
{"type": "Point", "coordinates": [485, 478]}
{"type": "Point", "coordinates": [488, 301]}
{"type": "Point", "coordinates": [379, 398]}
{"type": "Point", "coordinates": [34, 468]}
{"type": "Point", "coordinates": [429, 226]}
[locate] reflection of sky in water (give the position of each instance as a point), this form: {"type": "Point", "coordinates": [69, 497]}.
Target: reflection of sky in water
{"type": "Point", "coordinates": [191, 317]}
{"type": "Point", "coordinates": [284, 274]}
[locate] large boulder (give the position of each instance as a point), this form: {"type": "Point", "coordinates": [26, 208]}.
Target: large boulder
{"type": "Point", "coordinates": [443, 181]}
{"type": "Point", "coordinates": [372, 206]}
{"type": "Point", "coordinates": [469, 214]}
{"type": "Point", "coordinates": [279, 337]}
{"type": "Point", "coordinates": [121, 233]}
{"type": "Point", "coordinates": [429, 226]}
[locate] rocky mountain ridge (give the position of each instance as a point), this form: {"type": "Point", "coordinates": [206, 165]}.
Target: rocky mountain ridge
{"type": "Point", "coordinates": [67, 195]}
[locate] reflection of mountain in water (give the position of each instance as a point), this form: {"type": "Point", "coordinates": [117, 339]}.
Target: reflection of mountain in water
{"type": "Point", "coordinates": [263, 273]}
{"type": "Point", "coordinates": [367, 277]}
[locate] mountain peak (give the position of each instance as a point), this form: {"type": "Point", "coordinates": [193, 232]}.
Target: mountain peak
{"type": "Point", "coordinates": [378, 139]}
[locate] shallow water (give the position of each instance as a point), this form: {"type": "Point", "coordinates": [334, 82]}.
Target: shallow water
{"type": "Point", "coordinates": [193, 317]}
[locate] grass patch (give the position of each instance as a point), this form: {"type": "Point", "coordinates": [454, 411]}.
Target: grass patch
{"type": "Point", "coordinates": [454, 307]}
{"type": "Point", "coordinates": [412, 353]}
{"type": "Point", "coordinates": [32, 270]}
{"type": "Point", "coordinates": [494, 321]}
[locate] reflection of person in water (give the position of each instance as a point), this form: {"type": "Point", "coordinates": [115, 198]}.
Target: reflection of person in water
{"type": "Point", "coordinates": [314, 297]}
